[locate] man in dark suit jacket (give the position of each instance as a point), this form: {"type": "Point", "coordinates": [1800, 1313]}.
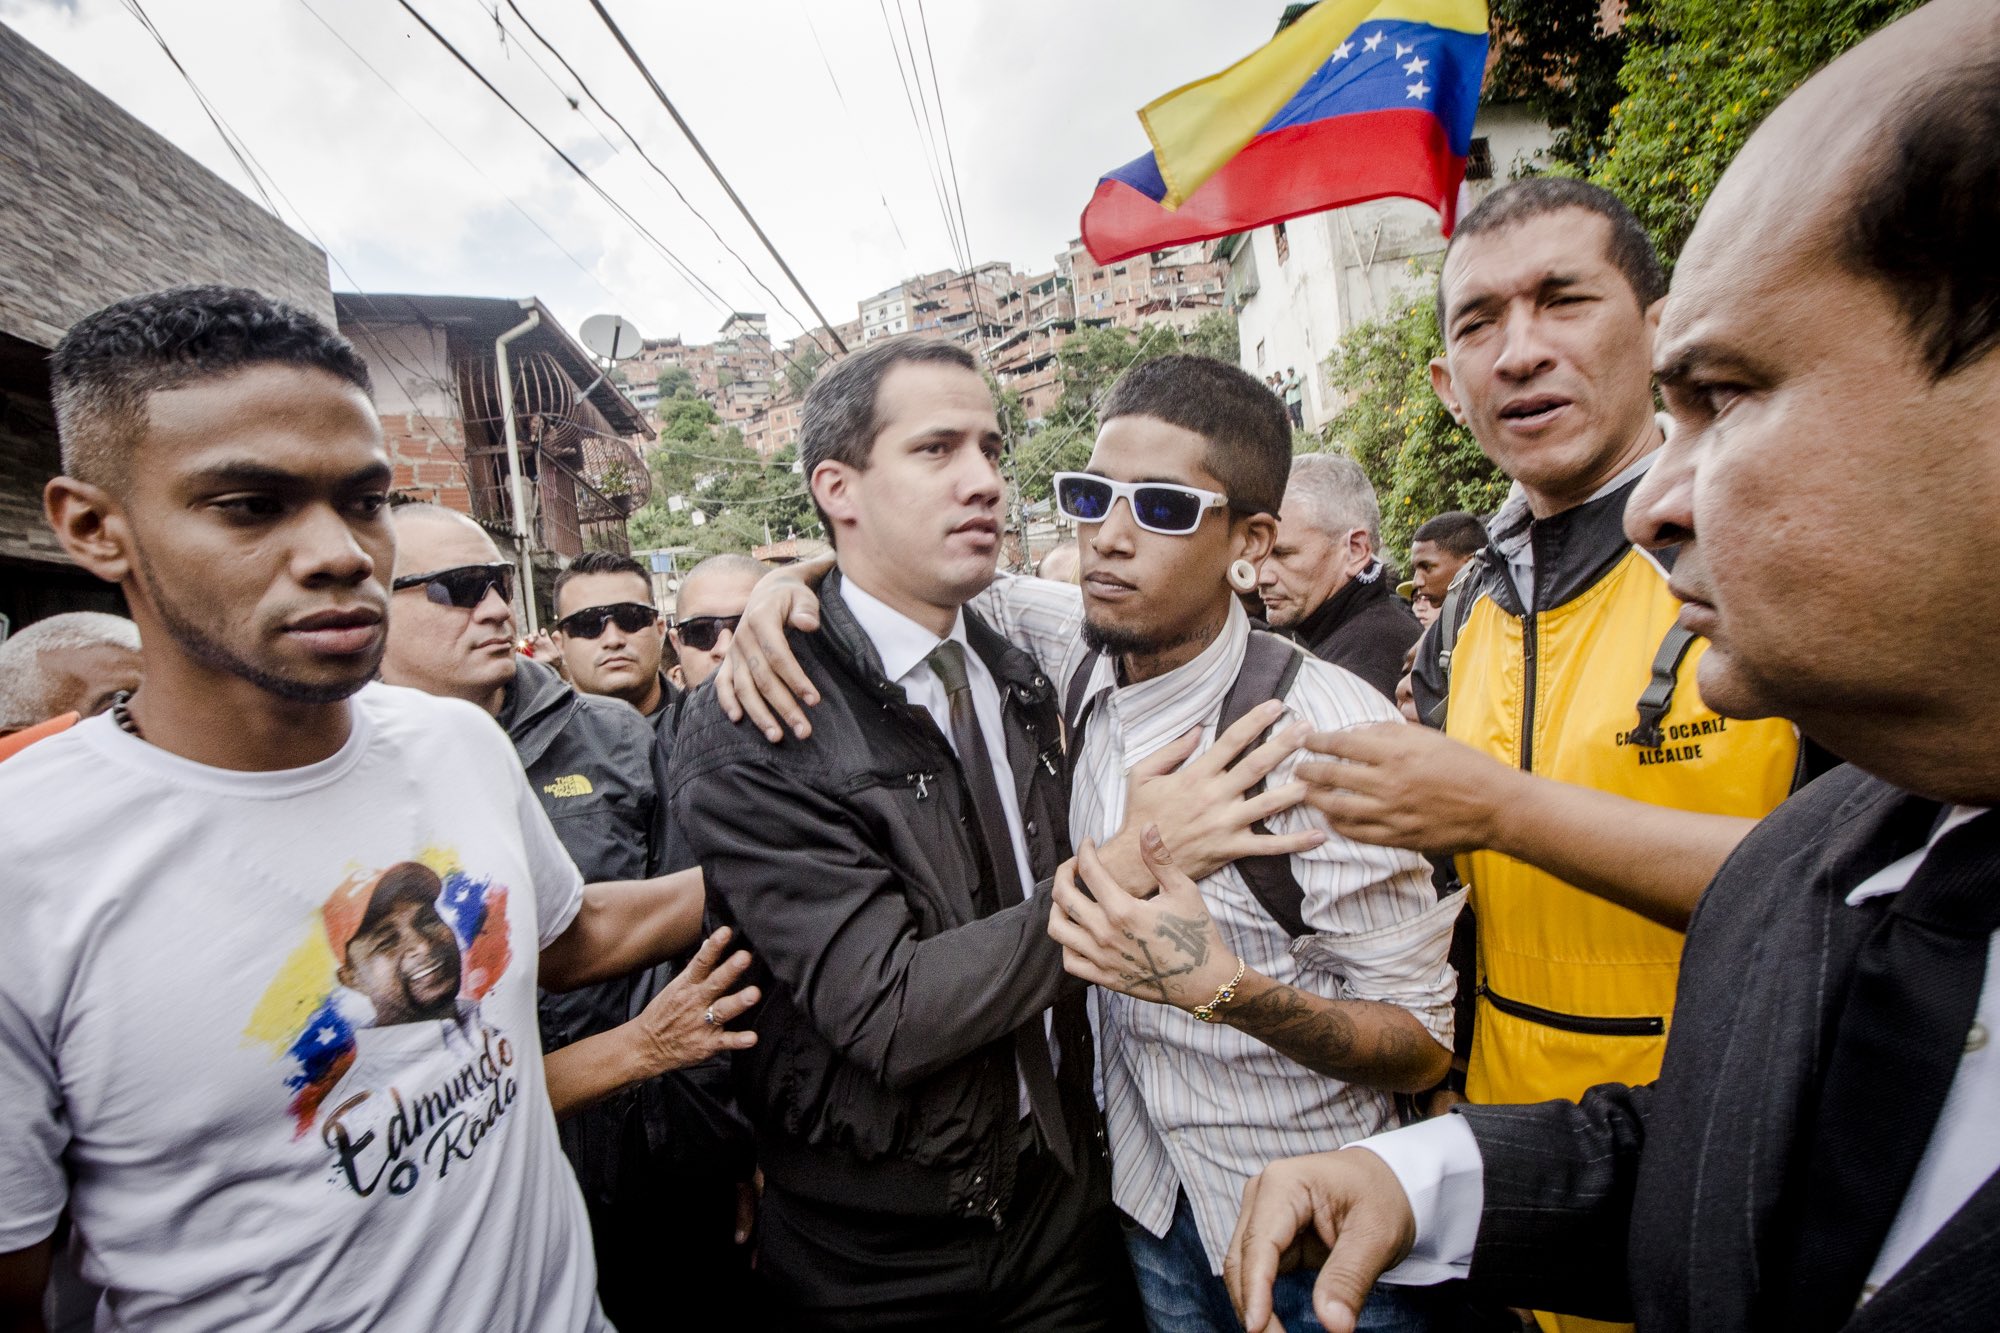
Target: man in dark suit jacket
{"type": "Point", "coordinates": [1820, 1150]}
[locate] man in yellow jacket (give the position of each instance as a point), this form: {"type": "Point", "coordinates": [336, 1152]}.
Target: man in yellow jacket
{"type": "Point", "coordinates": [1585, 789]}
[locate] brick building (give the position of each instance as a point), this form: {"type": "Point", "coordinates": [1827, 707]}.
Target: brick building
{"type": "Point", "coordinates": [1176, 286]}
{"type": "Point", "coordinates": [436, 371]}
{"type": "Point", "coordinates": [98, 207]}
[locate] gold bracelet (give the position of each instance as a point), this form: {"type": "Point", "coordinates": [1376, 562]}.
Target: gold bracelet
{"type": "Point", "coordinates": [1206, 1012]}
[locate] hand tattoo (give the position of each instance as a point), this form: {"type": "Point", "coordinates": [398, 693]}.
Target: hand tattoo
{"type": "Point", "coordinates": [1184, 948]}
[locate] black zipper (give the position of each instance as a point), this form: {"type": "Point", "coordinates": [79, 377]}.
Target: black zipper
{"type": "Point", "coordinates": [1592, 1027]}
{"type": "Point", "coordinates": [1529, 645]}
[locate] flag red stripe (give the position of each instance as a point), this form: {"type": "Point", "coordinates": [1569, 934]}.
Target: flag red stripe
{"type": "Point", "coordinates": [1301, 169]}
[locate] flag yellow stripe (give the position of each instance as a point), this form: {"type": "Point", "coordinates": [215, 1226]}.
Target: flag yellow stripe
{"type": "Point", "coordinates": [1199, 126]}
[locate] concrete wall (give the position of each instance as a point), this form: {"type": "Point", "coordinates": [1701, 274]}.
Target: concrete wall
{"type": "Point", "coordinates": [422, 422]}
{"type": "Point", "coordinates": [99, 207]}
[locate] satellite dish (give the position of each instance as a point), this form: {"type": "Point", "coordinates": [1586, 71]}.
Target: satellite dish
{"type": "Point", "coordinates": [613, 337]}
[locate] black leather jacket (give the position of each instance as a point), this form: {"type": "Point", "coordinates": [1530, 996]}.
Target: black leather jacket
{"type": "Point", "coordinates": [851, 866]}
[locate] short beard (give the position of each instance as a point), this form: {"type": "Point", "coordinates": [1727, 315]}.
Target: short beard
{"type": "Point", "coordinates": [197, 644]}
{"type": "Point", "coordinates": [1130, 643]}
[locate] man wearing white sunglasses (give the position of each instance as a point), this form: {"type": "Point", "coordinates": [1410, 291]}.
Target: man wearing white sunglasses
{"type": "Point", "coordinates": [1309, 987]}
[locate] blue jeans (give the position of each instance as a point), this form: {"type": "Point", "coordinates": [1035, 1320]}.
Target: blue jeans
{"type": "Point", "coordinates": [1181, 1295]}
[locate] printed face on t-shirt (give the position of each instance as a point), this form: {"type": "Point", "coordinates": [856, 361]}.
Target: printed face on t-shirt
{"type": "Point", "coordinates": [406, 964]}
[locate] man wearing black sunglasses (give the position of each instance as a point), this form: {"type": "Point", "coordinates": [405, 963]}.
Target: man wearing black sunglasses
{"type": "Point", "coordinates": [611, 635]}
{"type": "Point", "coordinates": [710, 603]}
{"type": "Point", "coordinates": [595, 766]}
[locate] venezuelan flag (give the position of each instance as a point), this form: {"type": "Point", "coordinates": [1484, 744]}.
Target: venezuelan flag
{"type": "Point", "coordinates": [1373, 98]}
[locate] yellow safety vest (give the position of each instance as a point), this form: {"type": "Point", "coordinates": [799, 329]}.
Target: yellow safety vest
{"type": "Point", "coordinates": [1575, 991]}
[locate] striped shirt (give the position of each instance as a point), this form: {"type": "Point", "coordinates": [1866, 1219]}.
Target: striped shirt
{"type": "Point", "coordinates": [1200, 1107]}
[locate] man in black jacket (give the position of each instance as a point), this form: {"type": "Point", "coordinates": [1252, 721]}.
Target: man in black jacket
{"type": "Point", "coordinates": [1819, 1151]}
{"type": "Point", "coordinates": [659, 1161]}
{"type": "Point", "coordinates": [1323, 582]}
{"type": "Point", "coordinates": [921, 1086]}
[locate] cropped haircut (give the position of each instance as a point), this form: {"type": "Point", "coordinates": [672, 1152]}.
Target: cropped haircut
{"type": "Point", "coordinates": [1455, 531]}
{"type": "Point", "coordinates": [1626, 244]}
{"type": "Point", "coordinates": [1923, 219]}
{"type": "Point", "coordinates": [729, 562]}
{"type": "Point", "coordinates": [601, 562]}
{"type": "Point", "coordinates": [839, 420]}
{"type": "Point", "coordinates": [27, 688]}
{"type": "Point", "coordinates": [1337, 496]}
{"type": "Point", "coordinates": [109, 362]}
{"type": "Point", "coordinates": [1249, 433]}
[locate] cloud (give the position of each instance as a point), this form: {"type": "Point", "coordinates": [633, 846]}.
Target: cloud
{"type": "Point", "coordinates": [1039, 98]}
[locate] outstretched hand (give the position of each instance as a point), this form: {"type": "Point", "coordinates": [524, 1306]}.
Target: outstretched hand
{"type": "Point", "coordinates": [1205, 803]}
{"type": "Point", "coordinates": [675, 1027]}
{"type": "Point", "coordinates": [1344, 1210]}
{"type": "Point", "coordinates": [1396, 785]}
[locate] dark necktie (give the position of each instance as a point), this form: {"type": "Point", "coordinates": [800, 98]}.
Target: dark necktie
{"type": "Point", "coordinates": [1897, 1046]}
{"type": "Point", "coordinates": [1031, 1042]}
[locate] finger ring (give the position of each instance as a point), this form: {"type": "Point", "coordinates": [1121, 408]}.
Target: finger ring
{"type": "Point", "coordinates": [710, 1019]}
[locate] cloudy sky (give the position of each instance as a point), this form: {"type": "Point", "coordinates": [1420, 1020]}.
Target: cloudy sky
{"type": "Point", "coordinates": [416, 179]}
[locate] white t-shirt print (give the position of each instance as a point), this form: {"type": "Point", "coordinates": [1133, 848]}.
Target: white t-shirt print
{"type": "Point", "coordinates": [271, 1036]}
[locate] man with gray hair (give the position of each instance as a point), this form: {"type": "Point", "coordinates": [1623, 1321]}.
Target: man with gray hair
{"type": "Point", "coordinates": [1324, 585]}
{"type": "Point", "coordinates": [61, 670]}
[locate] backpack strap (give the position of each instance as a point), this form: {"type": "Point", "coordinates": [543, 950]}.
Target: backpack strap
{"type": "Point", "coordinates": [1659, 693]}
{"type": "Point", "coordinates": [1459, 600]}
{"type": "Point", "coordinates": [1073, 709]}
{"type": "Point", "coordinates": [1270, 665]}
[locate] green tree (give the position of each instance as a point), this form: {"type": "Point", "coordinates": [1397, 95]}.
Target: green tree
{"type": "Point", "coordinates": [1421, 461]}
{"type": "Point", "coordinates": [1699, 76]}
{"type": "Point", "coordinates": [707, 466]}
{"type": "Point", "coordinates": [676, 382]}
{"type": "Point", "coordinates": [1555, 56]}
{"type": "Point", "coordinates": [802, 370]}
{"type": "Point", "coordinates": [1215, 336]}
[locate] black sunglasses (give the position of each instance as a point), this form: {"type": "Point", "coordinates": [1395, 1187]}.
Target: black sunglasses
{"type": "Point", "coordinates": [463, 586]}
{"type": "Point", "coordinates": [589, 623]}
{"type": "Point", "coordinates": [701, 632]}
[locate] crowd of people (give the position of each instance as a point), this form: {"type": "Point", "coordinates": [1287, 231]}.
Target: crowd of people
{"type": "Point", "coordinates": [1211, 931]}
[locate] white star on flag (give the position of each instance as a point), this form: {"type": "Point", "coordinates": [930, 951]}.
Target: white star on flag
{"type": "Point", "coordinates": [1343, 51]}
{"type": "Point", "coordinates": [325, 1036]}
{"type": "Point", "coordinates": [1372, 42]}
{"type": "Point", "coordinates": [1416, 66]}
{"type": "Point", "coordinates": [1402, 50]}
{"type": "Point", "coordinates": [1418, 89]}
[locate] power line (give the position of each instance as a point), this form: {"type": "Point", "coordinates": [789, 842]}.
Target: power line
{"type": "Point", "coordinates": [714, 170]}
{"type": "Point", "coordinates": [384, 79]}
{"type": "Point", "coordinates": [678, 264]}
{"type": "Point", "coordinates": [847, 113]}
{"type": "Point", "coordinates": [937, 94]}
{"type": "Point", "coordinates": [245, 158]}
{"type": "Point", "coordinates": [661, 172]}
{"type": "Point", "coordinates": [931, 134]}
{"type": "Point", "coordinates": [930, 164]}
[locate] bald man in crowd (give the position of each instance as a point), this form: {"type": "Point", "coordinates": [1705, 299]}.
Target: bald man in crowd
{"type": "Point", "coordinates": [1819, 1151]}
{"type": "Point", "coordinates": [710, 602]}
{"type": "Point", "coordinates": [61, 670]}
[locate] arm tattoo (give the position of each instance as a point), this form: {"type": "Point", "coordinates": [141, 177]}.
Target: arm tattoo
{"type": "Point", "coordinates": [1324, 1036]}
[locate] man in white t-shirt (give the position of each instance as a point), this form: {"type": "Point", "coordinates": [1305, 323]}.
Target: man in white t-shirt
{"type": "Point", "coordinates": [276, 1080]}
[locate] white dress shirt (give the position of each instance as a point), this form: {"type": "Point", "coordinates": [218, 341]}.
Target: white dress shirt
{"type": "Point", "coordinates": [1438, 1162]}
{"type": "Point", "coordinates": [1201, 1108]}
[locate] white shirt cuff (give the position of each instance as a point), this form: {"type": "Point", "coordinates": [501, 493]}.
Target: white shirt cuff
{"type": "Point", "coordinates": [1438, 1165]}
